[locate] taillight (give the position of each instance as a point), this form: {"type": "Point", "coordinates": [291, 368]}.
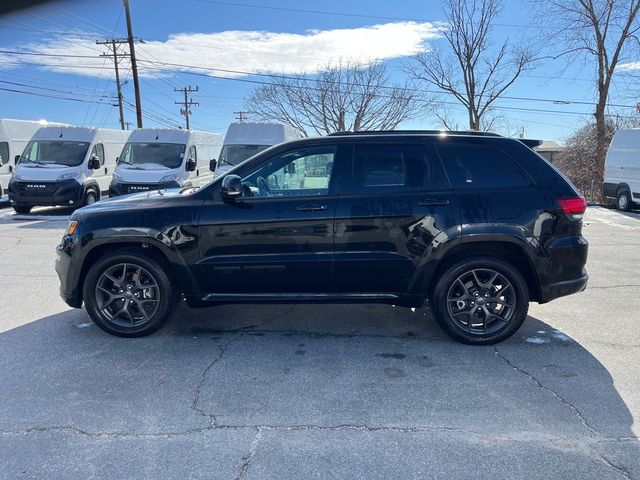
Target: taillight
{"type": "Point", "coordinates": [574, 206]}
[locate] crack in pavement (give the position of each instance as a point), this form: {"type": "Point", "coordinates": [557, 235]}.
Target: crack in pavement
{"type": "Point", "coordinates": [623, 471]}
{"type": "Point", "coordinates": [541, 385]}
{"type": "Point", "coordinates": [606, 287]}
{"type": "Point", "coordinates": [249, 457]}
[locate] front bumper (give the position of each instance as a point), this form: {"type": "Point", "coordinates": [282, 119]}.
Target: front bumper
{"type": "Point", "coordinates": [124, 188]}
{"type": "Point", "coordinates": [69, 289]}
{"type": "Point", "coordinates": [64, 192]}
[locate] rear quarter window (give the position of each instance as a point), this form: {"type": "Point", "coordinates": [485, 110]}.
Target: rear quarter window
{"type": "Point", "coordinates": [475, 166]}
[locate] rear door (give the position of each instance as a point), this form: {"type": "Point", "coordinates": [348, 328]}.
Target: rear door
{"type": "Point", "coordinates": [392, 214]}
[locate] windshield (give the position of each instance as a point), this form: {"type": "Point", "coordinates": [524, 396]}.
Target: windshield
{"type": "Point", "coordinates": [165, 155]}
{"type": "Point", "coordinates": [236, 154]}
{"type": "Point", "coordinates": [55, 152]}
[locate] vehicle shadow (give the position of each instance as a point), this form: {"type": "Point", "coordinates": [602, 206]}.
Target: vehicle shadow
{"type": "Point", "coordinates": [303, 370]}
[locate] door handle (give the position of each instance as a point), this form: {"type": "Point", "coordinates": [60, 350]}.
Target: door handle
{"type": "Point", "coordinates": [433, 202]}
{"type": "Point", "coordinates": [106, 170]}
{"type": "Point", "coordinates": [311, 208]}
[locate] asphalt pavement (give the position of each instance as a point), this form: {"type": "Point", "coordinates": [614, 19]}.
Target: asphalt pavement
{"type": "Point", "coordinates": [306, 392]}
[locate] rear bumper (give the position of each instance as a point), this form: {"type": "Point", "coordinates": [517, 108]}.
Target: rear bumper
{"type": "Point", "coordinates": [563, 288]}
{"type": "Point", "coordinates": [65, 192]}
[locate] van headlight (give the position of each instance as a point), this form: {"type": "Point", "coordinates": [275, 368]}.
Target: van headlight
{"type": "Point", "coordinates": [117, 177]}
{"type": "Point", "coordinates": [16, 176]}
{"type": "Point", "coordinates": [170, 178]}
{"type": "Point", "coordinates": [70, 176]}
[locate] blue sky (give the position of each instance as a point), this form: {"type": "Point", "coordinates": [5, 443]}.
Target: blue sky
{"type": "Point", "coordinates": [231, 37]}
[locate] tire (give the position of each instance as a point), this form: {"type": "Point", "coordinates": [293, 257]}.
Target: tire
{"type": "Point", "coordinates": [106, 295]}
{"type": "Point", "coordinates": [623, 200]}
{"type": "Point", "coordinates": [22, 209]}
{"type": "Point", "coordinates": [90, 198]}
{"type": "Point", "coordinates": [463, 308]}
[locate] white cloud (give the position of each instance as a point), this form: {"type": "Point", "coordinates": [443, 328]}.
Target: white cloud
{"type": "Point", "coordinates": [629, 66]}
{"type": "Point", "coordinates": [244, 51]}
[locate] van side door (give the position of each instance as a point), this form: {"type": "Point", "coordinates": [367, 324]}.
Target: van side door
{"type": "Point", "coordinates": [393, 215]}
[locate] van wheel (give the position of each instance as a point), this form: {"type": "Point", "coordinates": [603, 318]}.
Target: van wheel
{"type": "Point", "coordinates": [89, 198]}
{"type": "Point", "coordinates": [128, 294]}
{"type": "Point", "coordinates": [480, 301]}
{"type": "Point", "coordinates": [623, 202]}
{"type": "Point", "coordinates": [22, 209]}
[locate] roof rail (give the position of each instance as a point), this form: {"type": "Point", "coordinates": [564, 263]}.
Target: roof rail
{"type": "Point", "coordinates": [415, 132]}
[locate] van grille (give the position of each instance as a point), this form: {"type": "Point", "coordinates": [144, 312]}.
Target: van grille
{"type": "Point", "coordinates": [36, 188]}
{"type": "Point", "coordinates": [143, 187]}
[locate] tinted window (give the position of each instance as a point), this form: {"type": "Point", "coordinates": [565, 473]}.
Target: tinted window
{"type": "Point", "coordinates": [4, 153]}
{"type": "Point", "coordinates": [394, 168]}
{"type": "Point", "coordinates": [472, 166]}
{"type": "Point", "coordinates": [301, 172]}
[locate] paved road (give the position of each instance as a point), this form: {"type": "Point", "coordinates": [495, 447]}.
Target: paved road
{"type": "Point", "coordinates": [282, 392]}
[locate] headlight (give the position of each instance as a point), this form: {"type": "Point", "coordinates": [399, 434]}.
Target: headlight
{"type": "Point", "coordinates": [170, 178]}
{"type": "Point", "coordinates": [70, 176]}
{"type": "Point", "coordinates": [15, 176]}
{"type": "Point", "coordinates": [116, 177]}
{"type": "Point", "coordinates": [71, 227]}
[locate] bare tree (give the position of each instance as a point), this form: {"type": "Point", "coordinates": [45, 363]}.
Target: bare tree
{"type": "Point", "coordinates": [339, 98]}
{"type": "Point", "coordinates": [469, 68]}
{"type": "Point", "coordinates": [602, 30]}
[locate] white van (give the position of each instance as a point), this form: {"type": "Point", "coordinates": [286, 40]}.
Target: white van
{"type": "Point", "coordinates": [244, 140]}
{"type": "Point", "coordinates": [14, 136]}
{"type": "Point", "coordinates": [166, 158]}
{"type": "Point", "coordinates": [622, 169]}
{"type": "Point", "coordinates": [61, 165]}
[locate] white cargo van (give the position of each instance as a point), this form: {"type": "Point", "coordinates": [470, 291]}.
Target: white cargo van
{"type": "Point", "coordinates": [14, 136]}
{"type": "Point", "coordinates": [155, 159]}
{"type": "Point", "coordinates": [622, 169]}
{"type": "Point", "coordinates": [244, 140]}
{"type": "Point", "coordinates": [61, 165]}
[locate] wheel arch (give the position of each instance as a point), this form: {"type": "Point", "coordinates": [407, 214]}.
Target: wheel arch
{"type": "Point", "coordinates": [510, 250]}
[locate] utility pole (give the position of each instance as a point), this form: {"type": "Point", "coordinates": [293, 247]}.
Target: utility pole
{"type": "Point", "coordinates": [113, 46]}
{"type": "Point", "coordinates": [241, 116]}
{"type": "Point", "coordinates": [134, 66]}
{"type": "Point", "coordinates": [128, 125]}
{"type": "Point", "coordinates": [187, 102]}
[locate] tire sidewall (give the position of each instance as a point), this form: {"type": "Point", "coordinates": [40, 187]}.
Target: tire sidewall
{"type": "Point", "coordinates": [22, 209]}
{"type": "Point", "coordinates": [167, 295]}
{"type": "Point", "coordinates": [439, 299]}
{"type": "Point", "coordinates": [89, 194]}
{"type": "Point", "coordinates": [624, 194]}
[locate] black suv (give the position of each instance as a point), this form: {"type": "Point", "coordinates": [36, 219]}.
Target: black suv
{"type": "Point", "coordinates": [476, 224]}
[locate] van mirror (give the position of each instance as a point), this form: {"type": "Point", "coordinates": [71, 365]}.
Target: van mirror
{"type": "Point", "coordinates": [94, 162]}
{"type": "Point", "coordinates": [213, 164]}
{"type": "Point", "coordinates": [16, 159]}
{"type": "Point", "coordinates": [191, 165]}
{"type": "Point", "coordinates": [231, 187]}
{"type": "Point", "coordinates": [117, 160]}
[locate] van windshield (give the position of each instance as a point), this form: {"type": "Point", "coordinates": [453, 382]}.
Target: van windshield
{"type": "Point", "coordinates": [162, 155]}
{"type": "Point", "coordinates": [55, 152]}
{"type": "Point", "coordinates": [236, 154]}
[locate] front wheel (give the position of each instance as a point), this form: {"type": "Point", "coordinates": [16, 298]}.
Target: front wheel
{"type": "Point", "coordinates": [128, 294]}
{"type": "Point", "coordinates": [89, 198]}
{"type": "Point", "coordinates": [481, 300]}
{"type": "Point", "coordinates": [22, 209]}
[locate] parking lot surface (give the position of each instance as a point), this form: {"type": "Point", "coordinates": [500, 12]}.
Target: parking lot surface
{"type": "Point", "coordinates": [304, 391]}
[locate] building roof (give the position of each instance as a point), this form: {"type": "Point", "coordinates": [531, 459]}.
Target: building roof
{"type": "Point", "coordinates": [549, 146]}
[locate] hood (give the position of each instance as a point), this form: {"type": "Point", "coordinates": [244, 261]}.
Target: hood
{"type": "Point", "coordinates": [135, 200]}
{"type": "Point", "coordinates": [42, 173]}
{"type": "Point", "coordinates": [148, 173]}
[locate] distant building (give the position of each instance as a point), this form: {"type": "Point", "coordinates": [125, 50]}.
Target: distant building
{"type": "Point", "coordinates": [549, 150]}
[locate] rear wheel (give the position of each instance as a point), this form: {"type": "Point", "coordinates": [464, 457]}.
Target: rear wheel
{"type": "Point", "coordinates": [22, 209]}
{"type": "Point", "coordinates": [128, 294]}
{"type": "Point", "coordinates": [623, 201]}
{"type": "Point", "coordinates": [481, 300]}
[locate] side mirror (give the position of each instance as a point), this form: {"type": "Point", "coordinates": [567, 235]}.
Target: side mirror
{"type": "Point", "coordinates": [231, 187]}
{"type": "Point", "coordinates": [191, 165]}
{"type": "Point", "coordinates": [117, 160]}
{"type": "Point", "coordinates": [213, 164]}
{"type": "Point", "coordinates": [16, 159]}
{"type": "Point", "coordinates": [94, 162]}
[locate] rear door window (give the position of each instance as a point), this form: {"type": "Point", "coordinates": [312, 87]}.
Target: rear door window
{"type": "Point", "coordinates": [395, 168]}
{"type": "Point", "coordinates": [474, 166]}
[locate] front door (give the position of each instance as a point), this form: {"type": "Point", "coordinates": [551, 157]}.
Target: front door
{"type": "Point", "coordinates": [278, 237]}
{"type": "Point", "coordinates": [391, 216]}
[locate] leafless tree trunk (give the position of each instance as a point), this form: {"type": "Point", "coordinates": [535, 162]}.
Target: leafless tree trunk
{"type": "Point", "coordinates": [340, 98]}
{"type": "Point", "coordinates": [602, 30]}
{"type": "Point", "coordinates": [469, 68]}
